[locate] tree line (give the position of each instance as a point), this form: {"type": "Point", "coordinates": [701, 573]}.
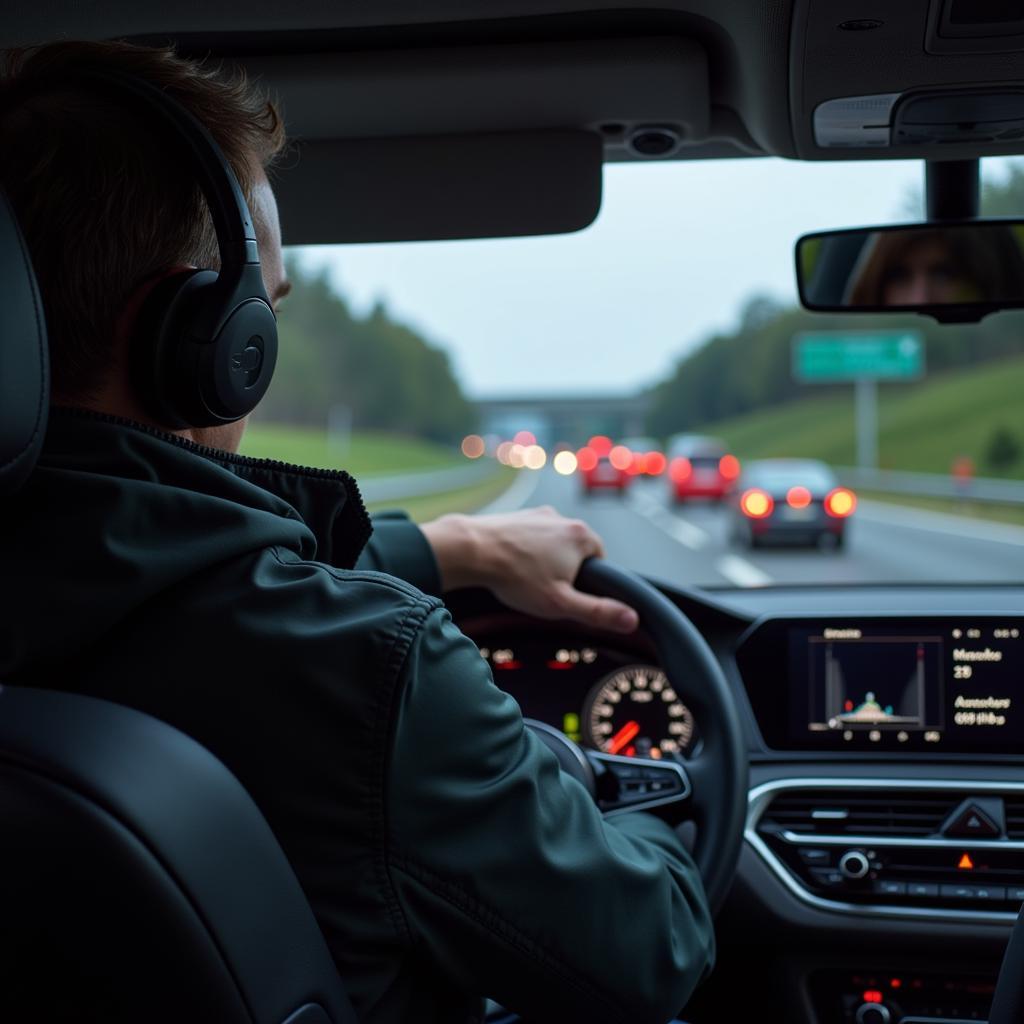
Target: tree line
{"type": "Point", "coordinates": [749, 368]}
{"type": "Point", "coordinates": [382, 373]}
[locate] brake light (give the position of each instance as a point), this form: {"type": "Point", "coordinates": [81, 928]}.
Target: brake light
{"type": "Point", "coordinates": [840, 503]}
{"type": "Point", "coordinates": [757, 504]}
{"type": "Point", "coordinates": [654, 463]}
{"type": "Point", "coordinates": [600, 444]}
{"type": "Point", "coordinates": [798, 497]}
{"type": "Point", "coordinates": [620, 457]}
{"type": "Point", "coordinates": [729, 467]}
{"type": "Point", "coordinates": [680, 469]}
{"type": "Point", "coordinates": [586, 459]}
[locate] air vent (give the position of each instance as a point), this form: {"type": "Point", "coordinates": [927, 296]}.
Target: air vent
{"type": "Point", "coordinates": [842, 812]}
{"type": "Point", "coordinates": [1014, 817]}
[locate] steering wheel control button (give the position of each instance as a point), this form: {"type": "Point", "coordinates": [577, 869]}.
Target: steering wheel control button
{"type": "Point", "coordinates": [628, 783]}
{"type": "Point", "coordinates": [854, 865]}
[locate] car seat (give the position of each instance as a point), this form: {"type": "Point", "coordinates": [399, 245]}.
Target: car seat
{"type": "Point", "coordinates": [138, 880]}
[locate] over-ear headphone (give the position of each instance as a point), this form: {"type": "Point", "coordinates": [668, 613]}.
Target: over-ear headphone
{"type": "Point", "coordinates": [205, 343]}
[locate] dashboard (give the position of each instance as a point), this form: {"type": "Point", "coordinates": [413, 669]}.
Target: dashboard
{"type": "Point", "coordinates": [884, 843]}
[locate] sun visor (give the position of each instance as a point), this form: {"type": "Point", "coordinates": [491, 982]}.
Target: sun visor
{"type": "Point", "coordinates": [440, 187]}
{"type": "Point", "coordinates": [476, 141]}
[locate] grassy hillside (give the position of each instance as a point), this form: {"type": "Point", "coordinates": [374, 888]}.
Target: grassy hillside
{"type": "Point", "coordinates": [368, 453]}
{"type": "Point", "coordinates": [922, 426]}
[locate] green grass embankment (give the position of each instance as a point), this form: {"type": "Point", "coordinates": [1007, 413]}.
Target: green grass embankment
{"type": "Point", "coordinates": [922, 426]}
{"type": "Point", "coordinates": [367, 454]}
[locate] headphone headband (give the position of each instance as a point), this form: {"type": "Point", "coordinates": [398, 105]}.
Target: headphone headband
{"type": "Point", "coordinates": [229, 211]}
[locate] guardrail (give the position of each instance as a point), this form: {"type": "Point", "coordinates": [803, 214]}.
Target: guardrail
{"type": "Point", "coordinates": [934, 485]}
{"type": "Point", "coordinates": [424, 483]}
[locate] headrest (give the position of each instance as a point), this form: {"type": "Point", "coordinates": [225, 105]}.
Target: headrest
{"type": "Point", "coordinates": [24, 363]}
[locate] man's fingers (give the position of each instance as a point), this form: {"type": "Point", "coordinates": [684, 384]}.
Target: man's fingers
{"type": "Point", "coordinates": [602, 612]}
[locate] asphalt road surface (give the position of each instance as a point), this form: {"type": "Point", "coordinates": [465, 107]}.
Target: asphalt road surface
{"type": "Point", "coordinates": [690, 544]}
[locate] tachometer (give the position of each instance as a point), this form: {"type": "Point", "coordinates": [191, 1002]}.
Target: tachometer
{"type": "Point", "coordinates": [635, 712]}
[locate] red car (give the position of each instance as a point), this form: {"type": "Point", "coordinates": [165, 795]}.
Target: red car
{"type": "Point", "coordinates": [605, 466]}
{"type": "Point", "coordinates": [701, 467]}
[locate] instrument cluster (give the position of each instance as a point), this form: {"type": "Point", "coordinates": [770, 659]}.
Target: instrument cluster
{"type": "Point", "coordinates": [600, 697]}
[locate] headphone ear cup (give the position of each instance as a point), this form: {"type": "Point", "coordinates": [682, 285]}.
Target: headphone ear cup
{"type": "Point", "coordinates": [185, 381]}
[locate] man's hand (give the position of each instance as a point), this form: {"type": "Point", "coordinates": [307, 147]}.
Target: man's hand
{"type": "Point", "coordinates": [529, 560]}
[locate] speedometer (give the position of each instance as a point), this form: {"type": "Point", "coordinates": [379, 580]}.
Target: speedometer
{"type": "Point", "coordinates": [635, 712]}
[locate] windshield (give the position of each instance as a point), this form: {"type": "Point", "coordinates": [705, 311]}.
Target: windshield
{"type": "Point", "coordinates": [628, 373]}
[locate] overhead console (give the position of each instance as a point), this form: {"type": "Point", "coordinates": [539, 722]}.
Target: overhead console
{"type": "Point", "coordinates": [888, 685]}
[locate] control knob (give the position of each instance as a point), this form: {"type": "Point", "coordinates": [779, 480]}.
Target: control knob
{"type": "Point", "coordinates": [873, 1013]}
{"type": "Point", "coordinates": [854, 865]}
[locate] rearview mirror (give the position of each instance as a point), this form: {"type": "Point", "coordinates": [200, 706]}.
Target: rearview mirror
{"type": "Point", "coordinates": [954, 272]}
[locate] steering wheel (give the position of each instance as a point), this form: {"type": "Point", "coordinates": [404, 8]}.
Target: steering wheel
{"type": "Point", "coordinates": [711, 788]}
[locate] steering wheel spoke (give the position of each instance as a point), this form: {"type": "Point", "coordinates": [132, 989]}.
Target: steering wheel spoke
{"type": "Point", "coordinates": [624, 784]}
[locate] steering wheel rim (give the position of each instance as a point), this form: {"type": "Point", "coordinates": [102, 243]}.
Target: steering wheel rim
{"type": "Point", "coordinates": [719, 773]}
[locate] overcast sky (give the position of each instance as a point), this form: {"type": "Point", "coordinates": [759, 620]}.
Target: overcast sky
{"type": "Point", "coordinates": [673, 255]}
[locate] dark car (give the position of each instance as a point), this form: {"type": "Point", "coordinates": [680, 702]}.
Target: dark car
{"type": "Point", "coordinates": [798, 501]}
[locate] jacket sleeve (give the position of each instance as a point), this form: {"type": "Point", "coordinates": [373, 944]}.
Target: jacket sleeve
{"type": "Point", "coordinates": [511, 883]}
{"type": "Point", "coordinates": [399, 548]}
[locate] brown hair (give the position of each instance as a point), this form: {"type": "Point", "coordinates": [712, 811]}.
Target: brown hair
{"type": "Point", "coordinates": [986, 257]}
{"type": "Point", "coordinates": [102, 195]}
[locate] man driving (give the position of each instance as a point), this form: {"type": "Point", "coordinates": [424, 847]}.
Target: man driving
{"type": "Point", "coordinates": [258, 608]}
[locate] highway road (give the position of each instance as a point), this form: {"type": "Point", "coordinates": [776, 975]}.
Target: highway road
{"type": "Point", "coordinates": [690, 545]}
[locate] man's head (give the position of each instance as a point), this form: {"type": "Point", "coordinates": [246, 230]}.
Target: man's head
{"type": "Point", "coordinates": [108, 205]}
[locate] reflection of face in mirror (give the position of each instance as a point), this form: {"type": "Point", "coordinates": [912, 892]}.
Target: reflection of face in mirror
{"type": "Point", "coordinates": [937, 266]}
{"type": "Point", "coordinates": [926, 275]}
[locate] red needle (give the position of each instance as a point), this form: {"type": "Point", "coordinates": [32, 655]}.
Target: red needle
{"type": "Point", "coordinates": [628, 732]}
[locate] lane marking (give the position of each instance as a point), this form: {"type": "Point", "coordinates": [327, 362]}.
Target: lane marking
{"type": "Point", "coordinates": [741, 572]}
{"type": "Point", "coordinates": [946, 523]}
{"type": "Point", "coordinates": [518, 494]}
{"type": "Point", "coordinates": [686, 533]}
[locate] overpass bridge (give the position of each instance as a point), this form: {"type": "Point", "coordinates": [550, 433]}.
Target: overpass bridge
{"type": "Point", "coordinates": [571, 418]}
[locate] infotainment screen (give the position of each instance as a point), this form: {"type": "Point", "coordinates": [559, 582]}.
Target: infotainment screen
{"type": "Point", "coordinates": [938, 685]}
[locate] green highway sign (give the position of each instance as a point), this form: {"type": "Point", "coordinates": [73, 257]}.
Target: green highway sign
{"type": "Point", "coordinates": [824, 357]}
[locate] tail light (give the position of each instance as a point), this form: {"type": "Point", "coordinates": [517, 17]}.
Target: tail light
{"type": "Point", "coordinates": [586, 459]}
{"type": "Point", "coordinates": [757, 504]}
{"type": "Point", "coordinates": [798, 497]}
{"type": "Point", "coordinates": [680, 470]}
{"type": "Point", "coordinates": [654, 463]}
{"type": "Point", "coordinates": [729, 467]}
{"type": "Point", "coordinates": [620, 457]}
{"type": "Point", "coordinates": [840, 503]}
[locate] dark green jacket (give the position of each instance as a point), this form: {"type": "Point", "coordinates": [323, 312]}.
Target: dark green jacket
{"type": "Point", "coordinates": [445, 855]}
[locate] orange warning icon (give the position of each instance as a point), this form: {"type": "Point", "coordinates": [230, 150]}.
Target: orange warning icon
{"type": "Point", "coordinates": [966, 864]}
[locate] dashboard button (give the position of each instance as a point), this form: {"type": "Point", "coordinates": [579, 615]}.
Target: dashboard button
{"type": "Point", "coordinates": [958, 892]}
{"type": "Point", "coordinates": [990, 892]}
{"type": "Point", "coordinates": [922, 889]}
{"type": "Point", "coordinates": [827, 877]}
{"type": "Point", "coordinates": [1015, 893]}
{"type": "Point", "coordinates": [818, 858]}
{"type": "Point", "coordinates": [891, 888]}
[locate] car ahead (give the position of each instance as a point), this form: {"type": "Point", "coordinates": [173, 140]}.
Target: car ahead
{"type": "Point", "coordinates": [700, 467]}
{"type": "Point", "coordinates": [648, 457]}
{"type": "Point", "coordinates": [605, 466]}
{"type": "Point", "coordinates": [798, 501]}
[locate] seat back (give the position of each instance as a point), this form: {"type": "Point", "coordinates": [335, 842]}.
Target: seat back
{"type": "Point", "coordinates": [138, 880]}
